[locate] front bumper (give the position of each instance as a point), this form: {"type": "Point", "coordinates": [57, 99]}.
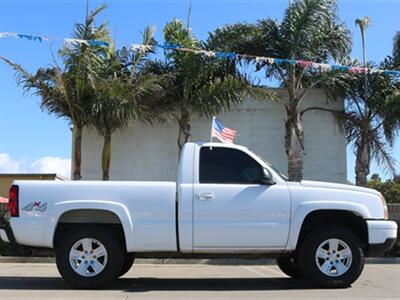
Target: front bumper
{"type": "Point", "coordinates": [7, 235]}
{"type": "Point", "coordinates": [376, 250]}
{"type": "Point", "coordinates": [382, 236]}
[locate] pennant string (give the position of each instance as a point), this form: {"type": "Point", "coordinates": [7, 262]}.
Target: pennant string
{"type": "Point", "coordinates": [308, 65]}
{"type": "Point", "coordinates": [321, 67]}
{"type": "Point", "coordinates": [40, 39]}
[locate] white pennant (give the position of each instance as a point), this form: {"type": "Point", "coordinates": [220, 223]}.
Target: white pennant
{"type": "Point", "coordinates": [141, 48]}
{"type": "Point", "coordinates": [69, 42]}
{"type": "Point", "coordinates": [7, 34]}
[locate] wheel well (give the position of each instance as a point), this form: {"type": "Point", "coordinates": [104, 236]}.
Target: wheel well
{"type": "Point", "coordinates": [75, 219]}
{"type": "Point", "coordinates": [344, 218]}
{"type": "Point", "coordinates": [89, 216]}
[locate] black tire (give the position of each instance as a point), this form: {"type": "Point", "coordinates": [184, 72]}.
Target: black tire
{"type": "Point", "coordinates": [308, 262]}
{"type": "Point", "coordinates": [112, 267]}
{"type": "Point", "coordinates": [289, 266]}
{"type": "Point", "coordinates": [127, 265]}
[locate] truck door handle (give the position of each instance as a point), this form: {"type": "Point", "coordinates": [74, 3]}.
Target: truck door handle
{"type": "Point", "coordinates": [206, 196]}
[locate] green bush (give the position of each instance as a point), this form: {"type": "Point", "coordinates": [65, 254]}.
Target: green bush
{"type": "Point", "coordinates": [390, 189]}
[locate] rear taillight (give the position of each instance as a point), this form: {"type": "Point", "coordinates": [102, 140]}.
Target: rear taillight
{"type": "Point", "coordinates": [13, 201]}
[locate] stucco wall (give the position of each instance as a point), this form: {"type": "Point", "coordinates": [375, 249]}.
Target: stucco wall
{"type": "Point", "coordinates": [6, 180]}
{"type": "Point", "coordinates": [150, 153]}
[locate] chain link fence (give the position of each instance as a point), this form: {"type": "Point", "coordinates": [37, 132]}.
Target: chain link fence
{"type": "Point", "coordinates": [394, 212]}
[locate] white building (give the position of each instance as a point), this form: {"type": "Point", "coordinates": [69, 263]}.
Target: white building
{"type": "Point", "coordinates": [151, 153]}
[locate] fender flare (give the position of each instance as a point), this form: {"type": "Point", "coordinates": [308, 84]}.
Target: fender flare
{"type": "Point", "coordinates": [304, 209]}
{"type": "Point", "coordinates": [60, 208]}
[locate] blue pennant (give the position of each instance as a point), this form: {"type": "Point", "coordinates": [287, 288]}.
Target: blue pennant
{"type": "Point", "coordinates": [97, 43]}
{"type": "Point", "coordinates": [340, 68]}
{"type": "Point", "coordinates": [30, 37]}
{"type": "Point", "coordinates": [169, 46]}
{"type": "Point", "coordinates": [225, 55]}
{"type": "Point", "coordinates": [281, 61]}
{"type": "Point", "coordinates": [391, 72]}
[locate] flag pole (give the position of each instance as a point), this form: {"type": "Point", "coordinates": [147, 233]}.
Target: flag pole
{"type": "Point", "coordinates": [212, 126]}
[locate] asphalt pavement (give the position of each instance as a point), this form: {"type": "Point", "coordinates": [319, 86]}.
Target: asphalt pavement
{"type": "Point", "coordinates": [173, 281]}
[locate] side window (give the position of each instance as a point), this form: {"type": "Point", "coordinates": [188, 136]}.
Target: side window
{"type": "Point", "coordinates": [225, 165]}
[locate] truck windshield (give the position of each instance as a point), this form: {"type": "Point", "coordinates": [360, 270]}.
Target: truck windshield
{"type": "Point", "coordinates": [282, 175]}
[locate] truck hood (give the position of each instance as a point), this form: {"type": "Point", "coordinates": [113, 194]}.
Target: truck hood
{"type": "Point", "coordinates": [329, 185]}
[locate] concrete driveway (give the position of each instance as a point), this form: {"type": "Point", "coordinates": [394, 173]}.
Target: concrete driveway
{"type": "Point", "coordinates": [41, 281]}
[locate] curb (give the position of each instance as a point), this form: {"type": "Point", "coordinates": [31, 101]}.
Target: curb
{"type": "Point", "coordinates": [51, 260]}
{"type": "Point", "coordinates": [383, 260]}
{"type": "Point", "coordinates": [25, 260]}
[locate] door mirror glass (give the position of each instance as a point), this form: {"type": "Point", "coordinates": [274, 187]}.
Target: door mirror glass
{"type": "Point", "coordinates": [267, 178]}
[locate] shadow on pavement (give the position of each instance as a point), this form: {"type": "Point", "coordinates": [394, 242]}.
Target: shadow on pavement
{"type": "Point", "coordinates": [209, 284]}
{"type": "Point", "coordinates": [161, 284]}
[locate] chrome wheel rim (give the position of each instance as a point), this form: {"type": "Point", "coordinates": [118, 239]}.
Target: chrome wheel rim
{"type": "Point", "coordinates": [333, 257]}
{"type": "Point", "coordinates": [88, 257]}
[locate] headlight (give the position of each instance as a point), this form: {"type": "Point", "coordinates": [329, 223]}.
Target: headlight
{"type": "Point", "coordinates": [385, 209]}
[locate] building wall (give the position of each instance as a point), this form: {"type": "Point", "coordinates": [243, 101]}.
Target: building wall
{"type": "Point", "coordinates": [7, 179]}
{"type": "Point", "coordinates": [150, 153]}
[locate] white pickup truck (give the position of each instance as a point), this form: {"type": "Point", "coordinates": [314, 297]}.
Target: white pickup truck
{"type": "Point", "coordinates": [228, 202]}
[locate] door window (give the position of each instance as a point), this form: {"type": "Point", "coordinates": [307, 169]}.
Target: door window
{"type": "Point", "coordinates": [226, 165]}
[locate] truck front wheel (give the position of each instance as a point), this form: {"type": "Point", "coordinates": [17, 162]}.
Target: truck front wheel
{"type": "Point", "coordinates": [90, 257]}
{"type": "Point", "coordinates": [289, 266]}
{"type": "Point", "coordinates": [127, 265]}
{"type": "Point", "coordinates": [331, 256]}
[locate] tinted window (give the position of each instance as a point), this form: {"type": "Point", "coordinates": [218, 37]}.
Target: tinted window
{"type": "Point", "coordinates": [225, 165]}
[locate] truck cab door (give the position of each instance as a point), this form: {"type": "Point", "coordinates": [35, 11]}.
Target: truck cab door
{"type": "Point", "coordinates": [232, 208]}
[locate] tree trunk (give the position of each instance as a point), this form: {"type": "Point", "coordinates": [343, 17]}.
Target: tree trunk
{"type": "Point", "coordinates": [106, 156]}
{"type": "Point", "coordinates": [362, 162]}
{"type": "Point", "coordinates": [184, 131]}
{"type": "Point", "coordinates": [77, 136]}
{"type": "Point", "coordinates": [294, 145]}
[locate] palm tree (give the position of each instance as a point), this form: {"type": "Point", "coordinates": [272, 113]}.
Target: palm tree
{"type": "Point", "coordinates": [363, 24]}
{"type": "Point", "coordinates": [362, 166]}
{"type": "Point", "coordinates": [371, 115]}
{"type": "Point", "coordinates": [309, 31]}
{"type": "Point", "coordinates": [123, 94]}
{"type": "Point", "coordinates": [68, 91]}
{"type": "Point", "coordinates": [395, 58]}
{"type": "Point", "coordinates": [371, 120]}
{"type": "Point", "coordinates": [198, 84]}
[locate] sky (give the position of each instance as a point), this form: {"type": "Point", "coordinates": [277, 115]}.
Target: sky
{"type": "Point", "coordinates": [33, 141]}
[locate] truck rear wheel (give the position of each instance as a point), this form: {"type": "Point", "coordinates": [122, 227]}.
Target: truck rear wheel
{"type": "Point", "coordinates": [289, 266]}
{"type": "Point", "coordinates": [331, 256]}
{"type": "Point", "coordinates": [90, 257]}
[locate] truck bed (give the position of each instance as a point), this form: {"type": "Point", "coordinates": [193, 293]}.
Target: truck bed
{"type": "Point", "coordinates": [148, 208]}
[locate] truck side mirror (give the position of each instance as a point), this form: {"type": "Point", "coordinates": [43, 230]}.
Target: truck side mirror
{"type": "Point", "coordinates": [266, 177]}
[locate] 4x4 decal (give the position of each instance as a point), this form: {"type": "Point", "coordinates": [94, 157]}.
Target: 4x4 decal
{"type": "Point", "coordinates": [36, 206]}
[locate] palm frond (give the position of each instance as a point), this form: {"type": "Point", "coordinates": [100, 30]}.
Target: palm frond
{"type": "Point", "coordinates": [381, 154]}
{"type": "Point", "coordinates": [137, 59]}
{"type": "Point", "coordinates": [396, 50]}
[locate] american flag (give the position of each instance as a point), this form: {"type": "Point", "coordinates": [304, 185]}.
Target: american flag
{"type": "Point", "coordinates": [224, 134]}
